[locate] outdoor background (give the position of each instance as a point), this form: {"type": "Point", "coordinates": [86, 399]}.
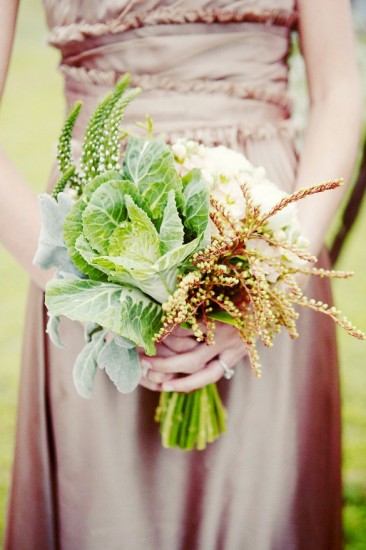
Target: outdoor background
{"type": "Point", "coordinates": [30, 118]}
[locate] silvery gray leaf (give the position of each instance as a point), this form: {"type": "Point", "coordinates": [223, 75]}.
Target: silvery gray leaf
{"type": "Point", "coordinates": [122, 366]}
{"type": "Point", "coordinates": [75, 274]}
{"type": "Point", "coordinates": [86, 365]}
{"type": "Point", "coordinates": [51, 247]}
{"type": "Point", "coordinates": [89, 330]}
{"type": "Point", "coordinates": [52, 330]}
{"type": "Point", "coordinates": [124, 342]}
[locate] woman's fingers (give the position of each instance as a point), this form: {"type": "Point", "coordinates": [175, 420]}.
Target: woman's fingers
{"type": "Point", "coordinates": [227, 352]}
{"type": "Point", "coordinates": [180, 344]}
{"type": "Point", "coordinates": [182, 332]}
{"type": "Point", "coordinates": [153, 380]}
{"type": "Point", "coordinates": [226, 336]}
{"type": "Point", "coordinates": [208, 375]}
{"type": "Point", "coordinates": [183, 362]}
{"type": "Point", "coordinates": [162, 351]}
{"type": "Point", "coordinates": [211, 373]}
{"type": "Point", "coordinates": [153, 376]}
{"type": "Point", "coordinates": [150, 385]}
{"type": "Point", "coordinates": [150, 379]}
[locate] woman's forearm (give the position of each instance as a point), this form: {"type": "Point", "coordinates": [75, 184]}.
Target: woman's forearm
{"type": "Point", "coordinates": [19, 211]}
{"type": "Point", "coordinates": [328, 152]}
{"type": "Point", "coordinates": [19, 219]}
{"type": "Point", "coordinates": [331, 139]}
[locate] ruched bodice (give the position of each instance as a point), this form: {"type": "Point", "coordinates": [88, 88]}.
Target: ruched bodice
{"type": "Point", "coordinates": [212, 71]}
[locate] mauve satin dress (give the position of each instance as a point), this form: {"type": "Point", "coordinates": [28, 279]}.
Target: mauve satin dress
{"type": "Point", "coordinates": [92, 475]}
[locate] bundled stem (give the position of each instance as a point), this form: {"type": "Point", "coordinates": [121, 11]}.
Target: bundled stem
{"type": "Point", "coordinates": [190, 421]}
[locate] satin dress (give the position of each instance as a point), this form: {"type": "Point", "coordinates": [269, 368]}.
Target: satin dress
{"type": "Point", "coordinates": [92, 474]}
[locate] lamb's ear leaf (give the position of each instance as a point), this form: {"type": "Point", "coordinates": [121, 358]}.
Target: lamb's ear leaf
{"type": "Point", "coordinates": [85, 366]}
{"type": "Point", "coordinates": [122, 365]}
{"type": "Point", "coordinates": [53, 330]}
{"type": "Point", "coordinates": [52, 250]}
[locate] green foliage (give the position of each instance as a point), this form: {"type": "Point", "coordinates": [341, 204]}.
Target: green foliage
{"type": "Point", "coordinates": [197, 203]}
{"type": "Point", "coordinates": [149, 164]}
{"type": "Point", "coordinates": [64, 143]}
{"type": "Point", "coordinates": [121, 364]}
{"type": "Point", "coordinates": [102, 131]}
{"type": "Point", "coordinates": [85, 367]}
{"type": "Point", "coordinates": [110, 139]}
{"type": "Point", "coordinates": [112, 231]}
{"type": "Point", "coordinates": [92, 185]}
{"type": "Point", "coordinates": [72, 230]}
{"type": "Point", "coordinates": [171, 230]}
{"type": "Point", "coordinates": [64, 180]}
{"type": "Point", "coordinates": [104, 212]}
{"type": "Point", "coordinates": [136, 241]}
{"type": "Point", "coordinates": [51, 249]}
{"type": "Point", "coordinates": [101, 145]}
{"type": "Point", "coordinates": [125, 311]}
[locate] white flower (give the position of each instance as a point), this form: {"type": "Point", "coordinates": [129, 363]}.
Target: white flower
{"type": "Point", "coordinates": [226, 162]}
{"type": "Point", "coordinates": [224, 171]}
{"type": "Point", "coordinates": [208, 178]}
{"type": "Point", "coordinates": [231, 196]}
{"type": "Point", "coordinates": [266, 195]}
{"type": "Point", "coordinates": [179, 151]}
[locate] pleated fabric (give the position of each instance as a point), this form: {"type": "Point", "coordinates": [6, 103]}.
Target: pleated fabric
{"type": "Point", "coordinates": [91, 474]}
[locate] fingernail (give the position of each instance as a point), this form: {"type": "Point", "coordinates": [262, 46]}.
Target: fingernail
{"type": "Point", "coordinates": [146, 366]}
{"type": "Point", "coordinates": [167, 387]}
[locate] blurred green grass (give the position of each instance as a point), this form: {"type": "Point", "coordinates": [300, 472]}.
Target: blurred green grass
{"type": "Point", "coordinates": [30, 118]}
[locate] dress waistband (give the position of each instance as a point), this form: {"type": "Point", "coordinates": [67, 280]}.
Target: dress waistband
{"type": "Point", "coordinates": [207, 111]}
{"type": "Point", "coordinates": [79, 76]}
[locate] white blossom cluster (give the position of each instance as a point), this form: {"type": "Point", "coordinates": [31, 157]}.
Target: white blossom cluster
{"type": "Point", "coordinates": [224, 171]}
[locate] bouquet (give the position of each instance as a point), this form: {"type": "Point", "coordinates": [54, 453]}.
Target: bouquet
{"type": "Point", "coordinates": [147, 237]}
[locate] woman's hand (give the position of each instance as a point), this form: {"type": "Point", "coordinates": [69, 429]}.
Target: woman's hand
{"type": "Point", "coordinates": [180, 354]}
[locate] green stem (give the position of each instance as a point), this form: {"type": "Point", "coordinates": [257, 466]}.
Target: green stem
{"type": "Point", "coordinates": [203, 410]}
{"type": "Point", "coordinates": [212, 426]}
{"type": "Point", "coordinates": [220, 412]}
{"type": "Point", "coordinates": [177, 420]}
{"type": "Point", "coordinates": [168, 420]}
{"type": "Point", "coordinates": [193, 425]}
{"type": "Point", "coordinates": [162, 407]}
{"type": "Point", "coordinates": [187, 412]}
{"type": "Point", "coordinates": [191, 420]}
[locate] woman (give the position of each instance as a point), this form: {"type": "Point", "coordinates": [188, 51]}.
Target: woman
{"type": "Point", "coordinates": [92, 474]}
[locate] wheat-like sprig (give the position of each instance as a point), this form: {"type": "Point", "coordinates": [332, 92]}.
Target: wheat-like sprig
{"type": "Point", "coordinates": [299, 195]}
